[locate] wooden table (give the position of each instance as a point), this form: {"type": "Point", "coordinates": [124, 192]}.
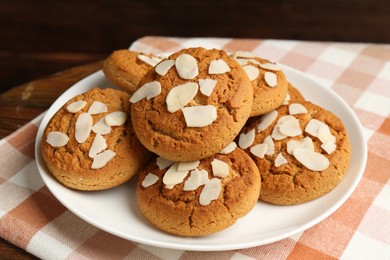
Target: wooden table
{"type": "Point", "coordinates": [21, 104]}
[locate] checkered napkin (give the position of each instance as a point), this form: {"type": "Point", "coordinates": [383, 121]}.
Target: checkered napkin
{"type": "Point", "coordinates": [31, 218]}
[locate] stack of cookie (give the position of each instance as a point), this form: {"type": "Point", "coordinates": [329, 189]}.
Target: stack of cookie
{"type": "Point", "coordinates": [218, 132]}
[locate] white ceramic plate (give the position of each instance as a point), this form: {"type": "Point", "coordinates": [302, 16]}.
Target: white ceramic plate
{"type": "Point", "coordinates": [116, 210]}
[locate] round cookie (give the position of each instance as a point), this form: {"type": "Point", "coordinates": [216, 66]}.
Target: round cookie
{"type": "Point", "coordinates": [268, 81]}
{"type": "Point", "coordinates": [194, 212]}
{"type": "Point", "coordinates": [293, 95]}
{"type": "Point", "coordinates": [191, 105]}
{"type": "Point", "coordinates": [125, 68]}
{"type": "Point", "coordinates": [69, 143]}
{"type": "Point", "coordinates": [300, 156]}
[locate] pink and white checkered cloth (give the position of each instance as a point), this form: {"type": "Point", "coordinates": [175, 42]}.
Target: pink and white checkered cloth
{"type": "Point", "coordinates": [31, 218]}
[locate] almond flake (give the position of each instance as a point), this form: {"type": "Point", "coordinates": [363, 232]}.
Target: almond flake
{"type": "Point", "coordinates": [220, 168]}
{"type": "Point", "coordinates": [199, 116]}
{"type": "Point", "coordinates": [173, 176]}
{"type": "Point", "coordinates": [97, 108]}
{"type": "Point", "coordinates": [271, 79]}
{"type": "Point", "coordinates": [207, 86]}
{"type": "Point", "coordinates": [246, 140]}
{"type": "Point", "coordinates": [210, 191]}
{"type": "Point", "coordinates": [305, 143]}
{"type": "Point", "coordinates": [270, 66]}
{"type": "Point", "coordinates": [312, 160]}
{"type": "Point", "coordinates": [296, 108]}
{"type": "Point", "coordinates": [197, 178]}
{"type": "Point", "coordinates": [116, 118]}
{"type": "Point", "coordinates": [251, 71]}
{"type": "Point", "coordinates": [276, 134]}
{"type": "Point", "coordinates": [83, 127]}
{"type": "Point", "coordinates": [270, 145]}
{"type": "Point", "coordinates": [218, 67]}
{"type": "Point", "coordinates": [280, 159]}
{"type": "Point", "coordinates": [244, 54]}
{"type": "Point", "coordinates": [287, 99]}
{"type": "Point", "coordinates": [242, 62]}
{"type": "Point", "coordinates": [313, 126]}
{"type": "Point", "coordinates": [148, 90]}
{"type": "Point", "coordinates": [163, 163]}
{"type": "Point", "coordinates": [228, 149]}
{"type": "Point", "coordinates": [187, 166]}
{"type": "Point", "coordinates": [163, 68]}
{"type": "Point", "coordinates": [76, 106]}
{"type": "Point", "coordinates": [179, 96]}
{"type": "Point", "coordinates": [259, 150]}
{"type": "Point", "coordinates": [152, 61]}
{"type": "Point", "coordinates": [254, 61]}
{"type": "Point", "coordinates": [57, 139]}
{"type": "Point", "coordinates": [101, 159]}
{"type": "Point", "coordinates": [99, 144]}
{"type": "Point", "coordinates": [101, 127]}
{"type": "Point", "coordinates": [149, 180]}
{"type": "Point", "coordinates": [290, 127]}
{"type": "Point", "coordinates": [329, 146]}
{"type": "Point", "coordinates": [186, 66]}
{"type": "Point", "coordinates": [325, 135]}
{"type": "Point", "coordinates": [266, 120]}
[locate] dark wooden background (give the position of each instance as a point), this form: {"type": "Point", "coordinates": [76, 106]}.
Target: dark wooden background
{"type": "Point", "coordinates": [40, 37]}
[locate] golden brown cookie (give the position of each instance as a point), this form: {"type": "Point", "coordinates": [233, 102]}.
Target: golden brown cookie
{"type": "Point", "coordinates": [302, 152]}
{"type": "Point", "coordinates": [90, 144]}
{"type": "Point", "coordinates": [209, 196]}
{"type": "Point", "coordinates": [191, 105]}
{"type": "Point", "coordinates": [125, 68]}
{"type": "Point", "coordinates": [293, 95]}
{"type": "Point", "coordinates": [268, 81]}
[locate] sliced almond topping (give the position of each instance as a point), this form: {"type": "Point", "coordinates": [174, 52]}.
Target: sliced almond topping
{"type": "Point", "coordinates": [97, 107]}
{"type": "Point", "coordinates": [99, 144]}
{"type": "Point", "coordinates": [259, 150]}
{"type": "Point", "coordinates": [329, 146]}
{"type": "Point", "coordinates": [254, 61]}
{"type": "Point", "coordinates": [305, 143]}
{"type": "Point", "coordinates": [101, 159]}
{"type": "Point", "coordinates": [173, 176]}
{"type": "Point", "coordinates": [266, 120]}
{"type": "Point", "coordinates": [210, 191]}
{"type": "Point", "coordinates": [270, 145]}
{"type": "Point", "coordinates": [199, 116]}
{"type": "Point", "coordinates": [83, 127]}
{"type": "Point", "coordinates": [244, 54]}
{"type": "Point", "coordinates": [296, 108]}
{"type": "Point", "coordinates": [196, 179]}
{"type": "Point", "coordinates": [148, 90]}
{"type": "Point", "coordinates": [207, 86]}
{"type": "Point", "coordinates": [186, 66]}
{"type": "Point", "coordinates": [163, 163]}
{"type": "Point", "coordinates": [325, 135]}
{"type": "Point", "coordinates": [228, 149]}
{"type": "Point", "coordinates": [246, 140]}
{"type": "Point", "coordinates": [242, 62]}
{"type": "Point", "coordinates": [218, 67]}
{"type": "Point", "coordinates": [287, 99]}
{"type": "Point", "coordinates": [270, 66]}
{"type": "Point", "coordinates": [101, 127]}
{"type": "Point", "coordinates": [152, 61]}
{"type": "Point", "coordinates": [313, 126]}
{"type": "Point", "coordinates": [271, 79]}
{"type": "Point", "coordinates": [290, 127]}
{"type": "Point", "coordinates": [164, 67]}
{"type": "Point", "coordinates": [57, 139]}
{"type": "Point", "coordinates": [220, 168]}
{"type": "Point", "coordinates": [187, 166]}
{"type": "Point", "coordinates": [276, 134]}
{"type": "Point", "coordinates": [116, 118]}
{"type": "Point", "coordinates": [280, 159]}
{"type": "Point", "coordinates": [76, 106]}
{"type": "Point", "coordinates": [149, 180]}
{"type": "Point", "coordinates": [179, 96]}
{"type": "Point", "coordinates": [312, 160]}
{"type": "Point", "coordinates": [251, 71]}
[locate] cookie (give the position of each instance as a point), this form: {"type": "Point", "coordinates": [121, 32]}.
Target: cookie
{"type": "Point", "coordinates": [89, 144]}
{"type": "Point", "coordinates": [201, 197]}
{"type": "Point", "coordinates": [125, 68]}
{"type": "Point", "coordinates": [192, 104]}
{"type": "Point", "coordinates": [302, 152]}
{"type": "Point", "coordinates": [293, 95]}
{"type": "Point", "coordinates": [268, 81]}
